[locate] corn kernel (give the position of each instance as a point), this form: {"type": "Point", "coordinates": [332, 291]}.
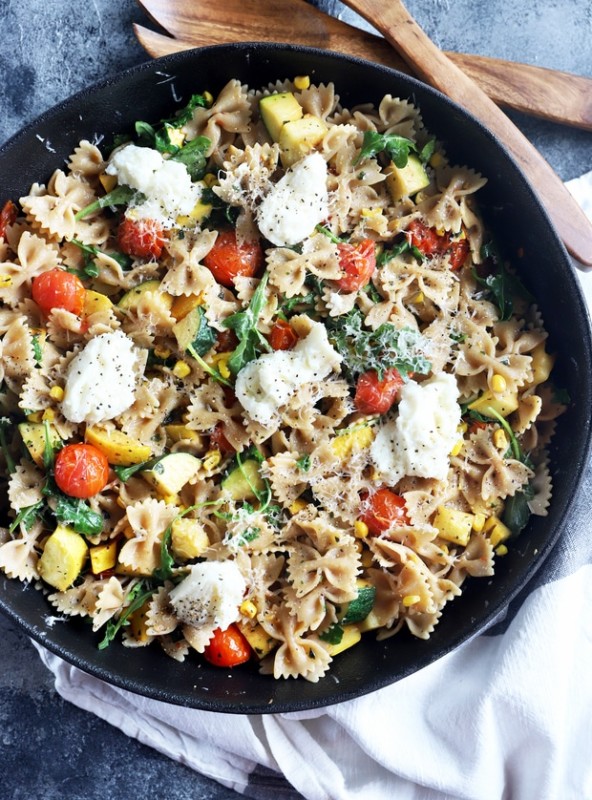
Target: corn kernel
{"type": "Point", "coordinates": [501, 550]}
{"type": "Point", "coordinates": [463, 427]}
{"type": "Point", "coordinates": [478, 522]}
{"type": "Point", "coordinates": [411, 600]}
{"type": "Point", "coordinates": [223, 368]}
{"type": "Point", "coordinates": [171, 499]}
{"type": "Point", "coordinates": [56, 393]}
{"type": "Point", "coordinates": [248, 609]}
{"type": "Point", "coordinates": [367, 559]}
{"type": "Point", "coordinates": [500, 440]}
{"type": "Point", "coordinates": [498, 384]}
{"type": "Point", "coordinates": [210, 180]}
{"type": "Point", "coordinates": [457, 448]}
{"type": "Point", "coordinates": [208, 97]}
{"type": "Point", "coordinates": [35, 416]}
{"type": "Point", "coordinates": [297, 506]}
{"type": "Point", "coordinates": [301, 82]}
{"type": "Point", "coordinates": [5, 281]}
{"type": "Point", "coordinates": [436, 160]}
{"type": "Point", "coordinates": [419, 298]}
{"type": "Point", "coordinates": [48, 415]}
{"type": "Point", "coordinates": [361, 530]}
{"type": "Point", "coordinates": [211, 459]}
{"type": "Point", "coordinates": [161, 352]}
{"type": "Point", "coordinates": [181, 369]}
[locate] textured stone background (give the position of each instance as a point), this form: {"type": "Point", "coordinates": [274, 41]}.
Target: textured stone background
{"type": "Point", "coordinates": [50, 750]}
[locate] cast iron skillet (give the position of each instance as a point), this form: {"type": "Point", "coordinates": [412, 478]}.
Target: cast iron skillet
{"type": "Point", "coordinates": [147, 92]}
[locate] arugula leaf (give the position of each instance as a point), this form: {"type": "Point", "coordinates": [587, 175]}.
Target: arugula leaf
{"type": "Point", "coordinates": [303, 462]}
{"type": "Point", "coordinates": [404, 246]}
{"type": "Point", "coordinates": [28, 516]}
{"type": "Point", "coordinates": [125, 473]}
{"type": "Point", "coordinates": [516, 510]}
{"type": "Point", "coordinates": [332, 635]}
{"type": "Point", "coordinates": [90, 269]}
{"type": "Point", "coordinates": [205, 338]}
{"type": "Point", "coordinates": [37, 350]}
{"type": "Point", "coordinates": [502, 286]}
{"type": "Point", "coordinates": [80, 516]}
{"type": "Point", "coordinates": [120, 196]}
{"type": "Point", "coordinates": [136, 598]}
{"type": "Point", "coordinates": [244, 324]}
{"type": "Point", "coordinates": [6, 424]}
{"type": "Point", "coordinates": [379, 350]}
{"type": "Point", "coordinates": [193, 156]}
{"type": "Point", "coordinates": [213, 373]}
{"type": "Point", "coordinates": [185, 114]}
{"type": "Point", "coordinates": [329, 234]}
{"type": "Point", "coordinates": [49, 451]}
{"type": "Point", "coordinates": [427, 151]}
{"type": "Point", "coordinates": [396, 147]}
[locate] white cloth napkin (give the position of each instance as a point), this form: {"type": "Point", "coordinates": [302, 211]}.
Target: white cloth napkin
{"type": "Point", "coordinates": [506, 716]}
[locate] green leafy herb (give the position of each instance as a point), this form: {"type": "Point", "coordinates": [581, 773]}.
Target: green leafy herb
{"type": "Point", "coordinates": [120, 196]}
{"type": "Point", "coordinates": [303, 462]}
{"type": "Point", "coordinates": [90, 269]}
{"type": "Point", "coordinates": [193, 156]}
{"type": "Point", "coordinates": [244, 324]}
{"type": "Point", "coordinates": [78, 515]}
{"type": "Point", "coordinates": [49, 450]}
{"type": "Point", "coordinates": [37, 350]}
{"type": "Point", "coordinates": [332, 635]}
{"type": "Point", "coordinates": [27, 516]}
{"type": "Point", "coordinates": [136, 598]}
{"type": "Point", "coordinates": [213, 373]}
{"type": "Point", "coordinates": [459, 338]}
{"type": "Point", "coordinates": [6, 424]}
{"type": "Point", "coordinates": [501, 285]}
{"type": "Point", "coordinates": [516, 510]}
{"type": "Point", "coordinates": [205, 337]}
{"type": "Point", "coordinates": [125, 473]}
{"type": "Point", "coordinates": [397, 148]}
{"type": "Point", "coordinates": [186, 113]}
{"type": "Point", "coordinates": [427, 151]}
{"type": "Point", "coordinates": [561, 396]}
{"type": "Point", "coordinates": [329, 234]}
{"type": "Point", "coordinates": [404, 246]}
{"type": "Point", "coordinates": [379, 350]}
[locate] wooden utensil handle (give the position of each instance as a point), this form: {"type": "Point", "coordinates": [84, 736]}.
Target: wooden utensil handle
{"type": "Point", "coordinates": [399, 28]}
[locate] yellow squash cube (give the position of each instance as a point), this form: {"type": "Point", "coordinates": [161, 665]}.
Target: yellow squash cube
{"type": "Point", "coordinates": [188, 539]}
{"type": "Point", "coordinates": [63, 558]}
{"type": "Point", "coordinates": [103, 557]}
{"type": "Point", "coordinates": [453, 525]}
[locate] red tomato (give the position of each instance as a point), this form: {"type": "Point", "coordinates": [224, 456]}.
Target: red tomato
{"type": "Point", "coordinates": [57, 288]}
{"type": "Point", "coordinates": [358, 263]}
{"type": "Point", "coordinates": [226, 341]}
{"type": "Point", "coordinates": [219, 441]}
{"type": "Point", "coordinates": [375, 396]}
{"type": "Point", "coordinates": [459, 251]}
{"type": "Point", "coordinates": [141, 238]}
{"type": "Point", "coordinates": [81, 470]}
{"type": "Point", "coordinates": [227, 648]}
{"type": "Point", "coordinates": [429, 242]}
{"type": "Point", "coordinates": [7, 217]}
{"type": "Point", "coordinates": [282, 335]}
{"type": "Point", "coordinates": [227, 259]}
{"type": "Point", "coordinates": [383, 509]}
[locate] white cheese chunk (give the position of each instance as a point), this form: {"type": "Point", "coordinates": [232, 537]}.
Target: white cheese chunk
{"type": "Point", "coordinates": [268, 382]}
{"type": "Point", "coordinates": [210, 595]}
{"type": "Point", "coordinates": [101, 379]}
{"type": "Point", "coordinates": [165, 183]}
{"type": "Point", "coordinates": [297, 202]}
{"type": "Point", "coordinates": [419, 440]}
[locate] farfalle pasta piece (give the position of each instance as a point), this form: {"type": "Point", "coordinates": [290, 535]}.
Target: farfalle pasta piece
{"type": "Point", "coordinates": [86, 161]}
{"type": "Point", "coordinates": [34, 255]}
{"type": "Point", "coordinates": [188, 275]}
{"type": "Point", "coordinates": [298, 655]}
{"type": "Point", "coordinates": [19, 557]}
{"type": "Point", "coordinates": [228, 116]}
{"type": "Point", "coordinates": [148, 520]}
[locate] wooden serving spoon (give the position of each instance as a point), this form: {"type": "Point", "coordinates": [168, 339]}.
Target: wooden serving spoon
{"type": "Point", "coordinates": [546, 93]}
{"type": "Point", "coordinates": [400, 29]}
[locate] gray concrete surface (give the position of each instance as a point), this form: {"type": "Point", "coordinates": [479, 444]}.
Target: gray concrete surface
{"type": "Point", "coordinates": [50, 750]}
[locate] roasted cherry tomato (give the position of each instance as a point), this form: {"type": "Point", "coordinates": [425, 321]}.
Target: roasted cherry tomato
{"type": "Point", "coordinates": [57, 288]}
{"type": "Point", "coordinates": [459, 250]}
{"type": "Point", "coordinates": [141, 238]}
{"type": "Point", "coordinates": [382, 510]}
{"type": "Point", "coordinates": [227, 648]}
{"type": "Point", "coordinates": [227, 259]}
{"type": "Point", "coordinates": [374, 396]}
{"type": "Point", "coordinates": [358, 263]}
{"type": "Point", "coordinates": [7, 217]}
{"type": "Point", "coordinates": [430, 243]}
{"type": "Point", "coordinates": [218, 440]}
{"type": "Point", "coordinates": [282, 335]}
{"type": "Point", "coordinates": [81, 470]}
{"type": "Point", "coordinates": [226, 341]}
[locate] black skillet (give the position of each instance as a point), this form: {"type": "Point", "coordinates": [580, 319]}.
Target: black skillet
{"type": "Point", "coordinates": [149, 92]}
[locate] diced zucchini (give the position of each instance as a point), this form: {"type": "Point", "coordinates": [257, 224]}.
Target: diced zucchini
{"type": "Point", "coordinates": [63, 558]}
{"type": "Point", "coordinates": [33, 435]}
{"type": "Point", "coordinates": [351, 636]}
{"type": "Point", "coordinates": [453, 525]}
{"type": "Point", "coordinates": [185, 303]}
{"type": "Point", "coordinates": [131, 299]}
{"type": "Point", "coordinates": [408, 180]}
{"type": "Point", "coordinates": [503, 402]}
{"type": "Point", "coordinates": [244, 482]}
{"type": "Point", "coordinates": [103, 557]}
{"type": "Point", "coordinates": [188, 539]}
{"type": "Point", "coordinates": [194, 330]}
{"type": "Point", "coordinates": [171, 473]}
{"type": "Point", "coordinates": [299, 137]}
{"type": "Point", "coordinates": [277, 109]}
{"type": "Point", "coordinates": [119, 448]}
{"type": "Point", "coordinates": [261, 642]}
{"type": "Point", "coordinates": [370, 623]}
{"type": "Point", "coordinates": [359, 608]}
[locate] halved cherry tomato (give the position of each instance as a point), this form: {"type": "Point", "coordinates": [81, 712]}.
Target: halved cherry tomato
{"type": "Point", "coordinates": [282, 335]}
{"type": "Point", "coordinates": [227, 648]}
{"type": "Point", "coordinates": [218, 440]}
{"type": "Point", "coordinates": [226, 341]}
{"type": "Point", "coordinates": [141, 238]}
{"type": "Point", "coordinates": [227, 259]}
{"type": "Point", "coordinates": [57, 288]}
{"type": "Point", "coordinates": [429, 242]}
{"type": "Point", "coordinates": [81, 470]}
{"type": "Point", "coordinates": [7, 217]}
{"type": "Point", "coordinates": [374, 396]}
{"type": "Point", "coordinates": [358, 263]}
{"type": "Point", "coordinates": [382, 510]}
